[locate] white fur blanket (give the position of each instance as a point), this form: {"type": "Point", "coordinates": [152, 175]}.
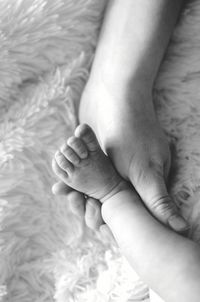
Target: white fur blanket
{"type": "Point", "coordinates": [46, 49]}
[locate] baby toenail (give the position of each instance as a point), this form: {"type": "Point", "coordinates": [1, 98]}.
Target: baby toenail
{"type": "Point", "coordinates": [57, 154]}
{"type": "Point", "coordinates": [63, 147]}
{"type": "Point", "coordinates": [60, 158]}
{"type": "Point", "coordinates": [84, 155]}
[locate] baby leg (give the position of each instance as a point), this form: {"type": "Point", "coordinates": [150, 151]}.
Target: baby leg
{"type": "Point", "coordinates": [168, 262]}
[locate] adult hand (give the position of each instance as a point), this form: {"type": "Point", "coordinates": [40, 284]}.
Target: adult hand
{"type": "Point", "coordinates": [117, 102]}
{"type": "Point", "coordinates": [130, 134]}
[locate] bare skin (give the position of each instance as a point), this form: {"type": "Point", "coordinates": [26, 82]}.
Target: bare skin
{"type": "Point", "coordinates": [172, 264]}
{"type": "Point", "coordinates": [117, 100]}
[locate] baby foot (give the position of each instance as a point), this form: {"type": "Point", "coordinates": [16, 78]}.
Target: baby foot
{"type": "Point", "coordinates": [87, 209]}
{"type": "Point", "coordinates": [82, 165]}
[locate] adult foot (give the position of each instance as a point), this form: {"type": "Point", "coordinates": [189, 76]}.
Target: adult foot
{"type": "Point", "coordinates": [82, 165]}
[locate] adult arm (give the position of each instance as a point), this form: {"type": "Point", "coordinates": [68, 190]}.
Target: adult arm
{"type": "Point", "coordinates": [132, 43]}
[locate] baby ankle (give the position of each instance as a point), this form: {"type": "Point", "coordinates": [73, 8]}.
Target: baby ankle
{"type": "Point", "coordinates": [120, 186]}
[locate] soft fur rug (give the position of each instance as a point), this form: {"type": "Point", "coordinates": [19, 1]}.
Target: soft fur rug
{"type": "Point", "coordinates": [46, 50]}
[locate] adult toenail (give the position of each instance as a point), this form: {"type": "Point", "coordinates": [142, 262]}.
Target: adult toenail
{"type": "Point", "coordinates": [178, 223]}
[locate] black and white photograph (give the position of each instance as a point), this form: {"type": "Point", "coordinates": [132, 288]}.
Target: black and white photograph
{"type": "Point", "coordinates": [99, 150]}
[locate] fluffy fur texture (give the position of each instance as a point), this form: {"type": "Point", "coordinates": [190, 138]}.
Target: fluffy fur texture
{"type": "Point", "coordinates": [46, 50]}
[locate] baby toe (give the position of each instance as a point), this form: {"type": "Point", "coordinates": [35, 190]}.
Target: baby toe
{"type": "Point", "coordinates": [78, 146]}
{"type": "Point", "coordinates": [63, 175]}
{"type": "Point", "coordinates": [93, 217]}
{"type": "Point", "coordinates": [86, 133]}
{"type": "Point", "coordinates": [77, 203]}
{"type": "Point", "coordinates": [60, 188]}
{"type": "Point", "coordinates": [70, 154]}
{"type": "Point", "coordinates": [63, 162]}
